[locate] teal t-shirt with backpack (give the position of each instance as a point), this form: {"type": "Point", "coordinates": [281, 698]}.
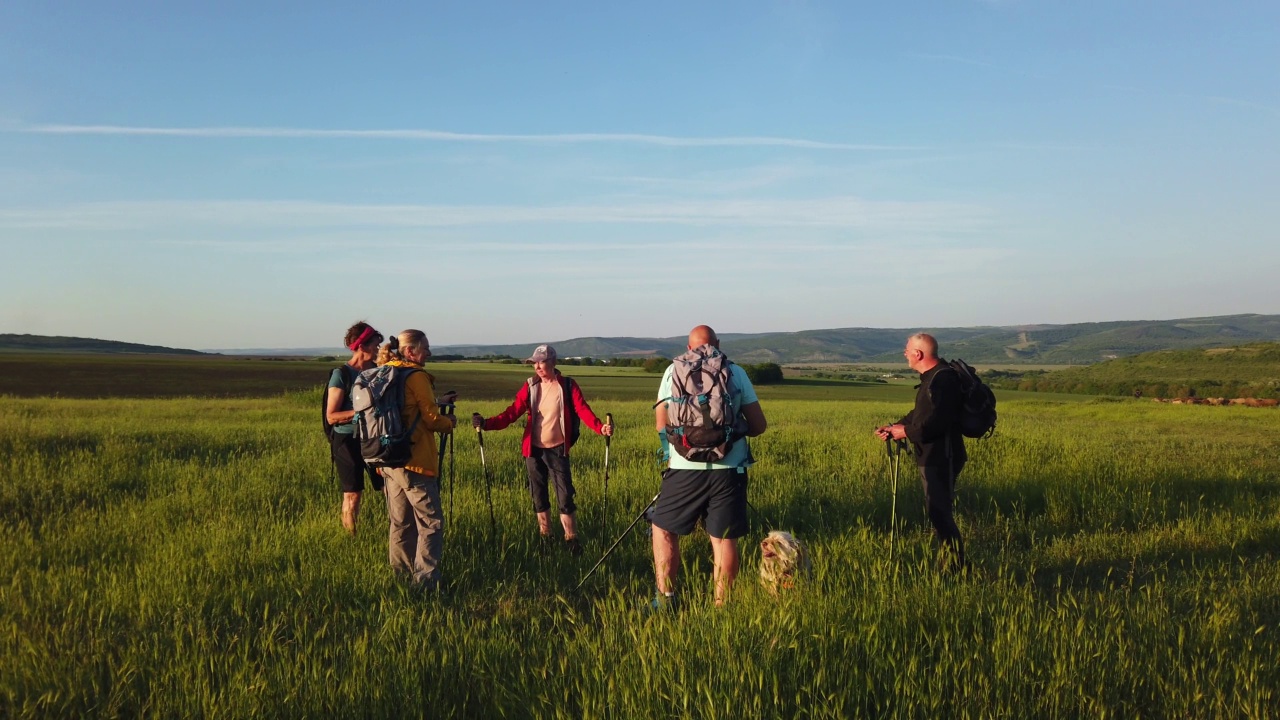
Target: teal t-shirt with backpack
{"type": "Point", "coordinates": [342, 377]}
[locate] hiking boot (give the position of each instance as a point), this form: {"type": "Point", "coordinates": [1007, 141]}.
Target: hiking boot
{"type": "Point", "coordinates": [573, 547]}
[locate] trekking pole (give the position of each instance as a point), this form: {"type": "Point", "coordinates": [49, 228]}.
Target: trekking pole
{"type": "Point", "coordinates": [763, 518]}
{"type": "Point", "coordinates": [604, 496]}
{"type": "Point", "coordinates": [488, 493]}
{"type": "Point", "coordinates": [445, 408]}
{"type": "Point", "coordinates": [894, 448]}
{"type": "Point", "coordinates": [615, 544]}
{"type": "Point", "coordinates": [451, 473]}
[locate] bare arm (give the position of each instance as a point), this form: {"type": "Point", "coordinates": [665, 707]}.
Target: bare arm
{"type": "Point", "coordinates": [660, 417]}
{"type": "Point", "coordinates": [331, 411]}
{"type": "Point", "coordinates": [756, 424]}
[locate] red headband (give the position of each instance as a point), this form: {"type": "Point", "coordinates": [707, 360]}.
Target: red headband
{"type": "Point", "coordinates": [368, 333]}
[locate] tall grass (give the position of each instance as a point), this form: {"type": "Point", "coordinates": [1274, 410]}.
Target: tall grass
{"type": "Point", "coordinates": [184, 558]}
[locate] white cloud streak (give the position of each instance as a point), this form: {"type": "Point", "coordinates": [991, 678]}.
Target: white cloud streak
{"type": "Point", "coordinates": [454, 137]}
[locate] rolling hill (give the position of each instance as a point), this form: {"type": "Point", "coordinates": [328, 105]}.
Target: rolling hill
{"type": "Point", "coordinates": [57, 344]}
{"type": "Point", "coordinates": [1248, 370]}
{"type": "Point", "coordinates": [1073, 344]}
{"type": "Point", "coordinates": [1078, 344]}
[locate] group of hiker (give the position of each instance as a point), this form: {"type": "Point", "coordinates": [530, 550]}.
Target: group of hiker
{"type": "Point", "coordinates": [706, 409]}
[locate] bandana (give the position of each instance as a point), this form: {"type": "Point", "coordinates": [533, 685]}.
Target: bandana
{"type": "Point", "coordinates": [364, 336]}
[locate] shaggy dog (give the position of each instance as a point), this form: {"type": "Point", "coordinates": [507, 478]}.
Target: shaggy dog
{"type": "Point", "coordinates": [782, 560]}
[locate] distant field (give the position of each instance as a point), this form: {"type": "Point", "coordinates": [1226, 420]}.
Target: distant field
{"type": "Point", "coordinates": [131, 376]}
{"type": "Point", "coordinates": [805, 368]}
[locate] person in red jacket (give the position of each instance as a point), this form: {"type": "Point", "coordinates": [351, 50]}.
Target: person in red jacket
{"type": "Point", "coordinates": [555, 407]}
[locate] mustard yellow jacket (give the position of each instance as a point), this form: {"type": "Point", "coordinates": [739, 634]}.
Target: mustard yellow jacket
{"type": "Point", "coordinates": [420, 397]}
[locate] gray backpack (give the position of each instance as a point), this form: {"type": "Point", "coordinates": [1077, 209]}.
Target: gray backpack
{"type": "Point", "coordinates": [377, 396]}
{"type": "Point", "coordinates": [701, 423]}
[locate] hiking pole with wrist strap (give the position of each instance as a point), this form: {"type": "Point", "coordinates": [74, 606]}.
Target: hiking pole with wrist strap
{"type": "Point", "coordinates": [604, 496]}
{"type": "Point", "coordinates": [488, 492]}
{"type": "Point", "coordinates": [615, 544]}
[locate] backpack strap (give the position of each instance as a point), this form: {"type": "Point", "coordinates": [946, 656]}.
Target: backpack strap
{"type": "Point", "coordinates": [348, 377]}
{"type": "Point", "coordinates": [533, 389]}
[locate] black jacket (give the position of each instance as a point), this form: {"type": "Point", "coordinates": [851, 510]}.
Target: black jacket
{"type": "Point", "coordinates": [935, 419]}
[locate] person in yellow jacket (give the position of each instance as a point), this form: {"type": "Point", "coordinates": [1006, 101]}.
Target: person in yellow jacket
{"type": "Point", "coordinates": [413, 491]}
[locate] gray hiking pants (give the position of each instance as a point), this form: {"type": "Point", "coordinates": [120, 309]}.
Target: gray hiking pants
{"type": "Point", "coordinates": [417, 525]}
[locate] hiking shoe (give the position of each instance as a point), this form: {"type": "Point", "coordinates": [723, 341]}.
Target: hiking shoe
{"type": "Point", "coordinates": [663, 604]}
{"type": "Point", "coordinates": [573, 547]}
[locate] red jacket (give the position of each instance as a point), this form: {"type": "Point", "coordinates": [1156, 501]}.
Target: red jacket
{"type": "Point", "coordinates": [521, 407]}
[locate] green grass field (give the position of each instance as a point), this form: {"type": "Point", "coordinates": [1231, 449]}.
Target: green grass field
{"type": "Point", "coordinates": [183, 557]}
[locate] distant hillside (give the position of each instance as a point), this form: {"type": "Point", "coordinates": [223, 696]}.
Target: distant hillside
{"type": "Point", "coordinates": [1251, 370]}
{"type": "Point", "coordinates": [55, 344]}
{"type": "Point", "coordinates": [1078, 344]}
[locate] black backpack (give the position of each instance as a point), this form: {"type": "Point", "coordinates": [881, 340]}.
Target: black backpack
{"type": "Point", "coordinates": [978, 415]}
{"type": "Point", "coordinates": [348, 377]}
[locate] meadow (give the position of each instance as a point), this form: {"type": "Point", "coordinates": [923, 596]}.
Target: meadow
{"type": "Point", "coordinates": [183, 557]}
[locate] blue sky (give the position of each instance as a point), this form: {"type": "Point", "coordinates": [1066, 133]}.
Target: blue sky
{"type": "Point", "coordinates": [217, 175]}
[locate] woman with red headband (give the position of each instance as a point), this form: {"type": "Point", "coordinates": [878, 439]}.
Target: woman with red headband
{"type": "Point", "coordinates": [362, 340]}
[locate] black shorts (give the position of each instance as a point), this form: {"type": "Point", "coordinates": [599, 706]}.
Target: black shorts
{"type": "Point", "coordinates": [350, 465]}
{"type": "Point", "coordinates": [717, 497]}
{"type": "Point", "coordinates": [544, 463]}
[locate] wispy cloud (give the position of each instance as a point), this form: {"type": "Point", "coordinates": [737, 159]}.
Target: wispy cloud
{"type": "Point", "coordinates": [834, 212]}
{"type": "Point", "coordinates": [445, 136]}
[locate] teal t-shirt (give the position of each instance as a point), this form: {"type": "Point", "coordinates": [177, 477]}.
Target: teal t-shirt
{"type": "Point", "coordinates": [744, 393]}
{"type": "Point", "coordinates": [336, 380]}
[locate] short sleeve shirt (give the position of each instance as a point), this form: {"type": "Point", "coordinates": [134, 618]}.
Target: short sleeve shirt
{"type": "Point", "coordinates": [549, 430]}
{"type": "Point", "coordinates": [744, 393]}
{"type": "Point", "coordinates": [336, 381]}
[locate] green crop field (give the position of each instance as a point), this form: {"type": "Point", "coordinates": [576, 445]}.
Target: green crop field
{"type": "Point", "coordinates": [179, 557]}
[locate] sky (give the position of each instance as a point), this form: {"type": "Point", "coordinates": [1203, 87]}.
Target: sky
{"type": "Point", "coordinates": [247, 174]}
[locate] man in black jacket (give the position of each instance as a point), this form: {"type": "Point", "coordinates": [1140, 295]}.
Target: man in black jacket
{"type": "Point", "coordinates": [933, 427]}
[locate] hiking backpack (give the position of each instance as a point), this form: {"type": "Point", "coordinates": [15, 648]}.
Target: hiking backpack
{"type": "Point", "coordinates": [377, 396]}
{"type": "Point", "coordinates": [978, 414]}
{"type": "Point", "coordinates": [701, 423]}
{"type": "Point", "coordinates": [566, 396]}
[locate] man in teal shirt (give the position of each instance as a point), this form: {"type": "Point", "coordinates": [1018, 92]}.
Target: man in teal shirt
{"type": "Point", "coordinates": [713, 492]}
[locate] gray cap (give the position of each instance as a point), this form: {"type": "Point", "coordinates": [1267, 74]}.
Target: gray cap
{"type": "Point", "coordinates": [542, 353]}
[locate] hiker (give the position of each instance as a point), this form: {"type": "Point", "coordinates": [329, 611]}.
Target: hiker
{"type": "Point", "coordinates": [706, 478]}
{"type": "Point", "coordinates": [413, 491]}
{"type": "Point", "coordinates": [362, 340]}
{"type": "Point", "coordinates": [554, 405]}
{"type": "Point", "coordinates": [933, 427]}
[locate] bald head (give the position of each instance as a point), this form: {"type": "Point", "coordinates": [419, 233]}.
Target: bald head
{"type": "Point", "coordinates": [925, 342]}
{"type": "Point", "coordinates": [921, 352]}
{"type": "Point", "coordinates": [703, 335]}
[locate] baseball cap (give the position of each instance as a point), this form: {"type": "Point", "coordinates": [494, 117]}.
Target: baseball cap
{"type": "Point", "coordinates": [542, 353]}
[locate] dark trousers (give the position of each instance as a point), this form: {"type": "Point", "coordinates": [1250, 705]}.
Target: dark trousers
{"type": "Point", "coordinates": [552, 464]}
{"type": "Point", "coordinates": [939, 485]}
